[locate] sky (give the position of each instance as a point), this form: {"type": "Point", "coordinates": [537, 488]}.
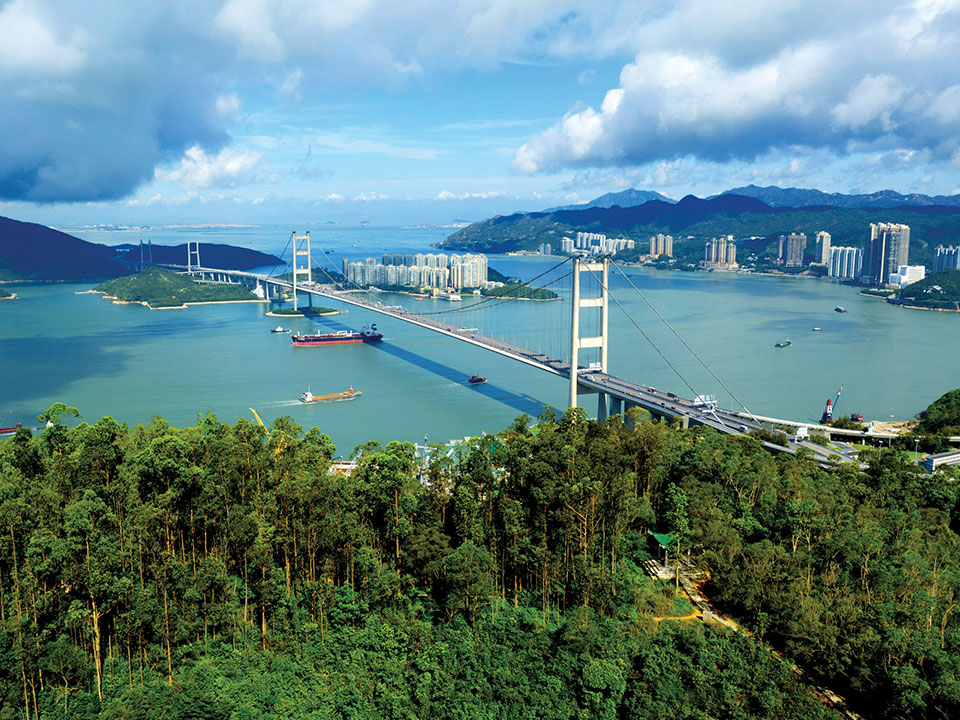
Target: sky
{"type": "Point", "coordinates": [439, 111]}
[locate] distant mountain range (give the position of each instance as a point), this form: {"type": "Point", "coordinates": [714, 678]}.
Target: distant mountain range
{"type": "Point", "coordinates": [625, 198]}
{"type": "Point", "coordinates": [799, 197]}
{"type": "Point", "coordinates": [29, 251]}
{"type": "Point", "coordinates": [778, 197]}
{"type": "Point", "coordinates": [739, 215]}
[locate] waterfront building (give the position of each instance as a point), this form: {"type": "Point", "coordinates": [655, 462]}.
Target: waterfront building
{"type": "Point", "coordinates": [567, 246]}
{"type": "Point", "coordinates": [907, 275]}
{"type": "Point", "coordinates": [791, 248]}
{"type": "Point", "coordinates": [428, 270]}
{"type": "Point", "coordinates": [845, 262]}
{"type": "Point", "coordinates": [948, 258]}
{"type": "Point", "coordinates": [720, 254]}
{"type": "Point", "coordinates": [600, 244]}
{"type": "Point", "coordinates": [888, 249]}
{"type": "Point", "coordinates": [545, 249]}
{"type": "Point", "coordinates": [822, 252]}
{"type": "Point", "coordinates": [661, 244]}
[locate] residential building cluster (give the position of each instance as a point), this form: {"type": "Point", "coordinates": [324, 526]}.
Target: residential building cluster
{"type": "Point", "coordinates": [720, 254]}
{"type": "Point", "coordinates": [886, 252]}
{"type": "Point", "coordinates": [546, 249]}
{"type": "Point", "coordinates": [661, 245]}
{"type": "Point", "coordinates": [791, 249]}
{"type": "Point", "coordinates": [595, 244]}
{"type": "Point", "coordinates": [948, 258]}
{"type": "Point", "coordinates": [845, 263]}
{"type": "Point", "coordinates": [420, 270]}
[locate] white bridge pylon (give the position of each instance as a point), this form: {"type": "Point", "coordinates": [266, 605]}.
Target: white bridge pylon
{"type": "Point", "coordinates": [297, 269]}
{"type": "Point", "coordinates": [600, 341]}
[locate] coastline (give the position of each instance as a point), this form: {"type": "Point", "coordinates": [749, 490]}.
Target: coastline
{"type": "Point", "coordinates": [146, 304]}
{"type": "Point", "coordinates": [287, 315]}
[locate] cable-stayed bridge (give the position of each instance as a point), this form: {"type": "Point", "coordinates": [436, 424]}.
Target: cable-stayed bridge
{"type": "Point", "coordinates": [563, 335]}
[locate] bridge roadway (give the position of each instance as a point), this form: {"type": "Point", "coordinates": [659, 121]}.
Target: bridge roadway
{"type": "Point", "coordinates": [622, 393]}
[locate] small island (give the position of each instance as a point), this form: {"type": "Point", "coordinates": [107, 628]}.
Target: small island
{"type": "Point", "coordinates": [7, 295]}
{"type": "Point", "coordinates": [940, 291]}
{"type": "Point", "coordinates": [162, 289]}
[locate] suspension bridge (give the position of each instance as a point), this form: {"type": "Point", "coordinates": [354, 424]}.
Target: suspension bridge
{"type": "Point", "coordinates": [565, 337]}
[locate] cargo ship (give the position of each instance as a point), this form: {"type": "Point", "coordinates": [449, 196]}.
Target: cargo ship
{"type": "Point", "coordinates": [309, 397]}
{"type": "Point", "coordinates": [477, 380]}
{"type": "Point", "coordinates": [783, 343]}
{"type": "Point", "coordinates": [341, 337]}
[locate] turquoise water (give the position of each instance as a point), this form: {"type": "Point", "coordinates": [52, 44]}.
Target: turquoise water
{"type": "Point", "coordinates": [131, 363]}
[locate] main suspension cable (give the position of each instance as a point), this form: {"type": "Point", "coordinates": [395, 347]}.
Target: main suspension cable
{"type": "Point", "coordinates": [686, 345]}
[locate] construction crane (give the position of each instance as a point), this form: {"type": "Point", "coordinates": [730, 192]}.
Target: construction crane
{"type": "Point", "coordinates": [260, 422]}
{"type": "Point", "coordinates": [281, 445]}
{"type": "Point", "coordinates": [827, 416]}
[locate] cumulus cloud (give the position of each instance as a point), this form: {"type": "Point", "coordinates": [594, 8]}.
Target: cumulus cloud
{"type": "Point", "coordinates": [96, 96]}
{"type": "Point", "coordinates": [769, 77]}
{"type": "Point", "coordinates": [198, 170]}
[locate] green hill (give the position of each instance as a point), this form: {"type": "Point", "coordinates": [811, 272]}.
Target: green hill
{"type": "Point", "coordinates": [163, 288]}
{"type": "Point", "coordinates": [29, 251]}
{"type": "Point", "coordinates": [693, 220]}
{"type": "Point", "coordinates": [940, 291]}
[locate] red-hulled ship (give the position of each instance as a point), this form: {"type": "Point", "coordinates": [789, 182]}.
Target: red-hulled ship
{"type": "Point", "coordinates": [342, 337]}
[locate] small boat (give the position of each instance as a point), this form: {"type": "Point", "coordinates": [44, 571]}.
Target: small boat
{"type": "Point", "coordinates": [817, 329]}
{"type": "Point", "coordinates": [840, 309]}
{"type": "Point", "coordinates": [476, 379]}
{"type": "Point", "coordinates": [10, 430]}
{"type": "Point", "coordinates": [309, 397]}
{"type": "Point", "coordinates": [280, 329]}
{"type": "Point", "coordinates": [783, 343]}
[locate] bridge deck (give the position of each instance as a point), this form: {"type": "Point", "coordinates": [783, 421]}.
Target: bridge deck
{"type": "Point", "coordinates": [628, 394]}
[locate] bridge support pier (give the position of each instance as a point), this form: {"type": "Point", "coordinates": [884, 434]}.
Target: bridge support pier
{"type": "Point", "coordinates": [601, 407]}
{"type": "Point", "coordinates": [616, 406]}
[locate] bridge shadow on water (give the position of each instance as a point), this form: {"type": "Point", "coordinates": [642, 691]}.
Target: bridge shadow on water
{"type": "Point", "coordinates": [521, 403]}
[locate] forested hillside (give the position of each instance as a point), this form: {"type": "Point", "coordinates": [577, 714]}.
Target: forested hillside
{"type": "Point", "coordinates": [212, 572]}
{"type": "Point", "coordinates": [699, 219]}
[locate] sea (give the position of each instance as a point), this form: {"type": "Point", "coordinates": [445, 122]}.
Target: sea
{"type": "Point", "coordinates": [132, 363]}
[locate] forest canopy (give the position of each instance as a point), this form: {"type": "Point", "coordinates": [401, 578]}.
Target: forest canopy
{"type": "Point", "coordinates": [217, 571]}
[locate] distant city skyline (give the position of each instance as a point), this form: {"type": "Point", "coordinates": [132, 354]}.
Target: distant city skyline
{"type": "Point", "coordinates": [273, 111]}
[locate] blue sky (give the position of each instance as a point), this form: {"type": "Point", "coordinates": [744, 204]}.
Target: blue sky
{"type": "Point", "coordinates": [246, 111]}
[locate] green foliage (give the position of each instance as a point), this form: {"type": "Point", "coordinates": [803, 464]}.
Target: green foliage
{"type": "Point", "coordinates": [940, 291]}
{"type": "Point", "coordinates": [213, 572]}
{"type": "Point", "coordinates": [163, 288]}
{"type": "Point", "coordinates": [518, 290]}
{"type": "Point", "coordinates": [942, 417]}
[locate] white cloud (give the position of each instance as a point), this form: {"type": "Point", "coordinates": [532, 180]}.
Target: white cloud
{"type": "Point", "coordinates": [370, 197]}
{"type": "Point", "coordinates": [872, 99]}
{"type": "Point", "coordinates": [198, 170]}
{"type": "Point", "coordinates": [720, 80]}
{"type": "Point", "coordinates": [228, 104]}
{"type": "Point", "coordinates": [486, 195]}
{"type": "Point", "coordinates": [27, 45]}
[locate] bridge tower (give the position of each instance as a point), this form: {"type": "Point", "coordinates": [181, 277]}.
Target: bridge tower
{"type": "Point", "coordinates": [579, 343]}
{"type": "Point", "coordinates": [149, 252]}
{"type": "Point", "coordinates": [297, 270]}
{"type": "Point", "coordinates": [193, 254]}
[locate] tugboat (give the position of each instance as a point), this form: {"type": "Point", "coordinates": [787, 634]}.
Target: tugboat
{"type": "Point", "coordinates": [309, 397]}
{"type": "Point", "coordinates": [783, 343]}
{"type": "Point", "coordinates": [840, 309]}
{"type": "Point", "coordinates": [477, 380]}
{"type": "Point", "coordinates": [280, 329]}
